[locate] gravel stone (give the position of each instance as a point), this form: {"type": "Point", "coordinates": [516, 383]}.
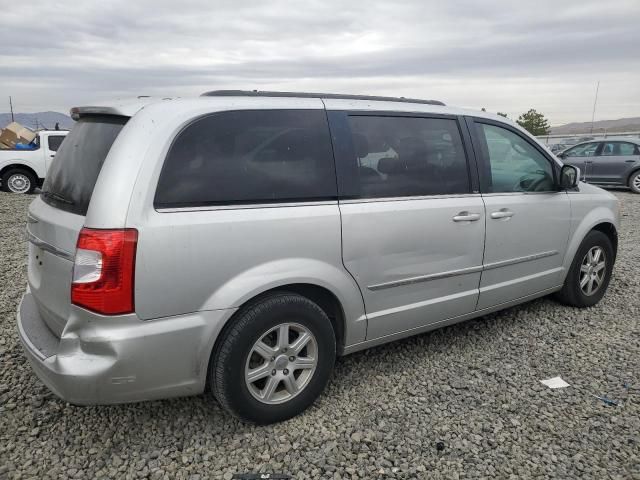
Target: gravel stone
{"type": "Point", "coordinates": [463, 401]}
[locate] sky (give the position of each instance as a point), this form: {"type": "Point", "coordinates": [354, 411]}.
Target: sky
{"type": "Point", "coordinates": [506, 56]}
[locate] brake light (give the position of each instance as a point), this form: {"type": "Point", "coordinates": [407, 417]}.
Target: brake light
{"type": "Point", "coordinates": [104, 269]}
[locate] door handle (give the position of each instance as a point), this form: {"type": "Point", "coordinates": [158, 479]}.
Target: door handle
{"type": "Point", "coordinates": [504, 213]}
{"type": "Point", "coordinates": [589, 161]}
{"type": "Point", "coordinates": [466, 217]}
{"type": "Point", "coordinates": [629, 161]}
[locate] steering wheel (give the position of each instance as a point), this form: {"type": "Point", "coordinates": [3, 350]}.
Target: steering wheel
{"type": "Point", "coordinates": [534, 184]}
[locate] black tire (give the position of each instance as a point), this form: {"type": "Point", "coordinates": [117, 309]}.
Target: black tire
{"type": "Point", "coordinates": [6, 178]}
{"type": "Point", "coordinates": [571, 293]}
{"type": "Point", "coordinates": [229, 359]}
{"type": "Point", "coordinates": [634, 182]}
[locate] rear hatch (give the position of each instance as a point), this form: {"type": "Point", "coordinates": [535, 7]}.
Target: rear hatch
{"type": "Point", "coordinates": [58, 214]}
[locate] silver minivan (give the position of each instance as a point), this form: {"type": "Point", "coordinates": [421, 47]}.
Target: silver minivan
{"type": "Point", "coordinates": [235, 243]}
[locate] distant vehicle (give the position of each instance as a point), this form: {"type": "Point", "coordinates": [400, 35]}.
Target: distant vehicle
{"type": "Point", "coordinates": [607, 162]}
{"type": "Point", "coordinates": [23, 169]}
{"type": "Point", "coordinates": [236, 243]}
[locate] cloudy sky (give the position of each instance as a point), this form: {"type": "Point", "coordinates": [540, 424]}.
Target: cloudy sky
{"type": "Point", "coordinates": [503, 55]}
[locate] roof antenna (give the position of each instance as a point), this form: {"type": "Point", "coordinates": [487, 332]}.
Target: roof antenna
{"type": "Point", "coordinates": [593, 114]}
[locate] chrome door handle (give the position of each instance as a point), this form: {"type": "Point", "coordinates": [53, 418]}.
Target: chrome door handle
{"type": "Point", "coordinates": [466, 217]}
{"type": "Point", "coordinates": [504, 213]}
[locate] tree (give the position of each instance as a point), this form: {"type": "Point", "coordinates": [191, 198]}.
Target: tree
{"type": "Point", "coordinates": [535, 123]}
{"type": "Point", "coordinates": [503, 114]}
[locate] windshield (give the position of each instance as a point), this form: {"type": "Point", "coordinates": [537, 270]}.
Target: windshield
{"type": "Point", "coordinates": [75, 169]}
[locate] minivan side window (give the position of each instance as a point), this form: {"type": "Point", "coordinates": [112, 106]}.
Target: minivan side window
{"type": "Point", "coordinates": [398, 156]}
{"type": "Point", "coordinates": [250, 156]}
{"type": "Point", "coordinates": [515, 165]}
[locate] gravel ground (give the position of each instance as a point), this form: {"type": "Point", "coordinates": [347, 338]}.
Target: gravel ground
{"type": "Point", "coordinates": [464, 401]}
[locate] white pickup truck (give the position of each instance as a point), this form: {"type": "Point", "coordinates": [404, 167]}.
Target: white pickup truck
{"type": "Point", "coordinates": [21, 171]}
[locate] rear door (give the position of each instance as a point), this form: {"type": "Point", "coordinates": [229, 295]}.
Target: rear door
{"type": "Point", "coordinates": [528, 219]}
{"type": "Point", "coordinates": [614, 162]}
{"type": "Point", "coordinates": [56, 216]}
{"type": "Point", "coordinates": [412, 224]}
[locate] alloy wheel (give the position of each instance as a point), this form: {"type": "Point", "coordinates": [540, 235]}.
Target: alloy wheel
{"type": "Point", "coordinates": [281, 363]}
{"type": "Point", "coordinates": [593, 270]}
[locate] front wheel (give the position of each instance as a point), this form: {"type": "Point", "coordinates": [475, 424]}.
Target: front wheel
{"type": "Point", "coordinates": [590, 272]}
{"type": "Point", "coordinates": [18, 180]}
{"type": "Point", "coordinates": [634, 182]}
{"type": "Point", "coordinates": [274, 360]}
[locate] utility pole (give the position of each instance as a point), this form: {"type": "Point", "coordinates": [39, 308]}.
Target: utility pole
{"type": "Point", "coordinates": [11, 107]}
{"type": "Point", "coordinates": [593, 114]}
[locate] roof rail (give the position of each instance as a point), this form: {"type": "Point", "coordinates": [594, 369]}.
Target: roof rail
{"type": "Point", "coordinates": [257, 93]}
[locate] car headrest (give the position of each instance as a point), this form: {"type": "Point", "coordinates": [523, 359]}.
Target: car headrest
{"type": "Point", "coordinates": [361, 145]}
{"type": "Point", "coordinates": [390, 165]}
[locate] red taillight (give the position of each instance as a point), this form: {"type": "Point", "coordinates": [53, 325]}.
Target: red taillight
{"type": "Point", "coordinates": [104, 269]}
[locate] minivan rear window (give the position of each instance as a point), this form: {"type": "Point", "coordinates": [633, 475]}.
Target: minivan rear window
{"type": "Point", "coordinates": [78, 162]}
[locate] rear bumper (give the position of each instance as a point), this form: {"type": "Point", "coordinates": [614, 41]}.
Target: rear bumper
{"type": "Point", "coordinates": [105, 360]}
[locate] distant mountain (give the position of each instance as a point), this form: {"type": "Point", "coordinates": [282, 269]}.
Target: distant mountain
{"type": "Point", "coordinates": [611, 126]}
{"type": "Point", "coordinates": [38, 120]}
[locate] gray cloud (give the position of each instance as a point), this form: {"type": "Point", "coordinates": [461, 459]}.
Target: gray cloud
{"type": "Point", "coordinates": [503, 55]}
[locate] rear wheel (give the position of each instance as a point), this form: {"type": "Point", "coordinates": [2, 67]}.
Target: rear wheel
{"type": "Point", "coordinates": [274, 360]}
{"type": "Point", "coordinates": [590, 272]}
{"type": "Point", "coordinates": [634, 182]}
{"type": "Point", "coordinates": [18, 180]}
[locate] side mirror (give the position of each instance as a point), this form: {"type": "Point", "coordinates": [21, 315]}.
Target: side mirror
{"type": "Point", "coordinates": [569, 177]}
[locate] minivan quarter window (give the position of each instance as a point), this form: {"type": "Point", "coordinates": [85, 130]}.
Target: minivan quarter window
{"type": "Point", "coordinates": [400, 156]}
{"type": "Point", "coordinates": [241, 157]}
{"type": "Point", "coordinates": [512, 163]}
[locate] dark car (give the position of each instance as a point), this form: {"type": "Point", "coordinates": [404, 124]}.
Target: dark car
{"type": "Point", "coordinates": [607, 162]}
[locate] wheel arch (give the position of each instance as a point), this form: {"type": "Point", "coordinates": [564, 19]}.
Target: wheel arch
{"type": "Point", "coordinates": [611, 232]}
{"type": "Point", "coordinates": [602, 219]}
{"type": "Point", "coordinates": [320, 295]}
{"type": "Point", "coordinates": [631, 174]}
{"type": "Point", "coordinates": [19, 166]}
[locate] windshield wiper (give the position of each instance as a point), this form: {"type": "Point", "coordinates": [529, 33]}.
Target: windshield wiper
{"type": "Point", "coordinates": [58, 197]}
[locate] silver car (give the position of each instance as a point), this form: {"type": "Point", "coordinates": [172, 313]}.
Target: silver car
{"type": "Point", "coordinates": [613, 162]}
{"type": "Point", "coordinates": [237, 242]}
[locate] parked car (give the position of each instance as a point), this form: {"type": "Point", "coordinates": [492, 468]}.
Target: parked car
{"type": "Point", "coordinates": [607, 162]}
{"type": "Point", "coordinates": [237, 242]}
{"type": "Point", "coordinates": [23, 169]}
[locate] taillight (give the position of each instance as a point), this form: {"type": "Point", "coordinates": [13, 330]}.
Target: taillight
{"type": "Point", "coordinates": [104, 269]}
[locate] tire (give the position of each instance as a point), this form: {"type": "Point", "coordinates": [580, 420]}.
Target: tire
{"type": "Point", "coordinates": [634, 182]}
{"type": "Point", "coordinates": [18, 180]}
{"type": "Point", "coordinates": [572, 292]}
{"type": "Point", "coordinates": [236, 356]}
